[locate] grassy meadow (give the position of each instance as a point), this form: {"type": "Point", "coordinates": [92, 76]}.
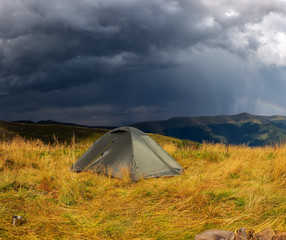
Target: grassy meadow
{"type": "Point", "coordinates": [225, 187]}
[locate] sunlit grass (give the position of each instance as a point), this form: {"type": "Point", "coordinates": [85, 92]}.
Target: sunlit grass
{"type": "Point", "coordinates": [224, 187]}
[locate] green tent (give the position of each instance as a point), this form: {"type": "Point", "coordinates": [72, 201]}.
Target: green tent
{"type": "Point", "coordinates": [127, 149]}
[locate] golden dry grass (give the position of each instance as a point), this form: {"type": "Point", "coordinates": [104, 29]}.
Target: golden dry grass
{"type": "Point", "coordinates": [224, 187]}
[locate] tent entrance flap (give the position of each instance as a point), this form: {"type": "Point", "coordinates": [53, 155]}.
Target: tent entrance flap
{"type": "Point", "coordinates": [100, 154]}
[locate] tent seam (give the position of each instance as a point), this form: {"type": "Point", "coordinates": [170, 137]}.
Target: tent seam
{"type": "Point", "coordinates": [174, 170]}
{"type": "Point", "coordinates": [134, 165]}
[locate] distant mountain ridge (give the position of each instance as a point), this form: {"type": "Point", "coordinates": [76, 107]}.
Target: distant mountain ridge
{"type": "Point", "coordinates": [52, 122]}
{"type": "Point", "coordinates": [242, 128]}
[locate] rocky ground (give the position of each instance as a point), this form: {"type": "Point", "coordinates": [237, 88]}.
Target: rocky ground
{"type": "Point", "coordinates": [241, 234]}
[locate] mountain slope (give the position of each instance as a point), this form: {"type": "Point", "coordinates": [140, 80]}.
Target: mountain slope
{"type": "Point", "coordinates": [242, 128]}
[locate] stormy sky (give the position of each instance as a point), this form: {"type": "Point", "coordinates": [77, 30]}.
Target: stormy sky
{"type": "Point", "coordinates": [111, 62]}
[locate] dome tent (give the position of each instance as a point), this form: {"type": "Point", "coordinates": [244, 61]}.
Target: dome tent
{"type": "Point", "coordinates": [127, 148]}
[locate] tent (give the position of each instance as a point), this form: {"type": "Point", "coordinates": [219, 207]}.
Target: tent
{"type": "Point", "coordinates": [127, 149]}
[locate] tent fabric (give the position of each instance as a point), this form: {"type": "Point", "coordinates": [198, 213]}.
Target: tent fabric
{"type": "Point", "coordinates": [127, 150]}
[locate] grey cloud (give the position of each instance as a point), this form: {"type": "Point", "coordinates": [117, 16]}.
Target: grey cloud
{"type": "Point", "coordinates": [139, 59]}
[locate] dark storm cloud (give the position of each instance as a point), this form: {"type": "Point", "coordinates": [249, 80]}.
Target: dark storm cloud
{"type": "Point", "coordinates": [134, 60]}
{"type": "Point", "coordinates": [50, 44]}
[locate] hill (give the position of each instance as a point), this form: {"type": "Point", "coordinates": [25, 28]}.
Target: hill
{"type": "Point", "coordinates": [49, 131]}
{"type": "Point", "coordinates": [56, 132]}
{"type": "Point", "coordinates": [242, 128]}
